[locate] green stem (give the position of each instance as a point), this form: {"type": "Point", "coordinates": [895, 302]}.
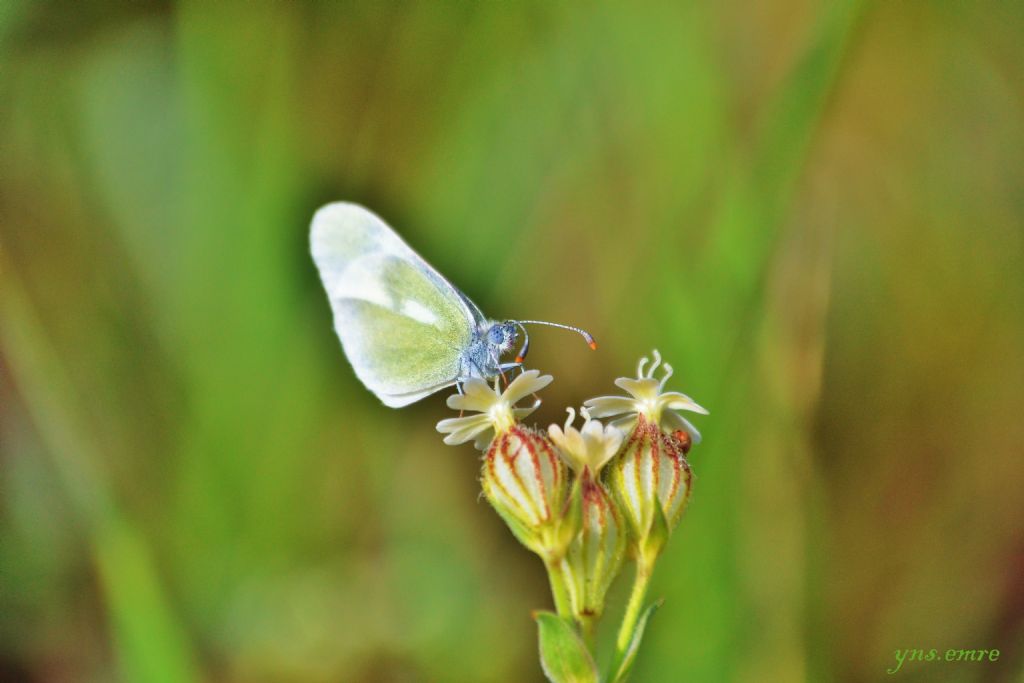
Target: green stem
{"type": "Point", "coordinates": [633, 608]}
{"type": "Point", "coordinates": [559, 590]}
{"type": "Point", "coordinates": [588, 631]}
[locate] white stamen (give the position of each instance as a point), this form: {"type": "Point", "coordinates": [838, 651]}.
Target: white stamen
{"type": "Point", "coordinates": [668, 373]}
{"type": "Point", "coordinates": [655, 364]}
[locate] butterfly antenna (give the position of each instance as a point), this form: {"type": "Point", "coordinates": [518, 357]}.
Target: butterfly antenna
{"type": "Point", "coordinates": [583, 333]}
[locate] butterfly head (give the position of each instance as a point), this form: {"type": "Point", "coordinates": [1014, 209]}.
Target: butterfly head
{"type": "Point", "coordinates": [502, 336]}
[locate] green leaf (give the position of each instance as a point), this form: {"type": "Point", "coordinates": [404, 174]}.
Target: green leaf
{"type": "Point", "coordinates": [622, 667]}
{"type": "Point", "coordinates": [563, 656]}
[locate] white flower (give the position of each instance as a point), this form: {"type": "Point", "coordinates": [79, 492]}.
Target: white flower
{"type": "Point", "coordinates": [648, 398]}
{"type": "Point", "coordinates": [497, 410]}
{"type": "Point", "coordinates": [589, 447]}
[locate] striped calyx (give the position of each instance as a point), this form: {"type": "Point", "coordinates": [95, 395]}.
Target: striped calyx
{"type": "Point", "coordinates": [526, 481]}
{"type": "Point", "coordinates": [596, 553]}
{"type": "Point", "coordinates": [651, 480]}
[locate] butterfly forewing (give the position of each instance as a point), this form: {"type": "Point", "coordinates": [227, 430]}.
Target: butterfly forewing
{"type": "Point", "coordinates": [402, 325]}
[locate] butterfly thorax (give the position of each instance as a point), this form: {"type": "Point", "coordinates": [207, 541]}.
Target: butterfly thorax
{"type": "Point", "coordinates": [482, 357]}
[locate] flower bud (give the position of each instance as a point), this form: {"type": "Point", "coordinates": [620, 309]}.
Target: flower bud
{"type": "Point", "coordinates": [651, 480]}
{"type": "Point", "coordinates": [527, 483]}
{"type": "Point", "coordinates": [595, 555]}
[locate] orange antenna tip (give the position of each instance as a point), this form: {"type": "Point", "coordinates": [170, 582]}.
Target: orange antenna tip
{"type": "Point", "coordinates": [519, 359]}
{"type": "Point", "coordinates": [593, 344]}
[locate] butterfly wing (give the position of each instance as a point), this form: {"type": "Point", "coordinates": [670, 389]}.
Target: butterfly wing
{"type": "Point", "coordinates": [403, 327]}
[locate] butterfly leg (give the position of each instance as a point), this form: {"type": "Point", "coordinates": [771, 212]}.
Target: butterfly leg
{"type": "Point", "coordinates": [509, 367]}
{"type": "Point", "coordinates": [501, 367]}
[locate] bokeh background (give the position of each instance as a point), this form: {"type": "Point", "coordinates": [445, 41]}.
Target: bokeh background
{"type": "Point", "coordinates": [814, 210]}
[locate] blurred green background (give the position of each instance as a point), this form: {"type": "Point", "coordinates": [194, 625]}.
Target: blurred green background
{"type": "Point", "coordinates": [814, 210]}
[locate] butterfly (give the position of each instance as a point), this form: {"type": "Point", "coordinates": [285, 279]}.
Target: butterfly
{"type": "Point", "coordinates": [407, 331]}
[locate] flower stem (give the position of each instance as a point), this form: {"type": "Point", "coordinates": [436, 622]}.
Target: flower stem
{"type": "Point", "coordinates": [588, 630]}
{"type": "Point", "coordinates": [633, 608]}
{"type": "Point", "coordinates": [559, 589]}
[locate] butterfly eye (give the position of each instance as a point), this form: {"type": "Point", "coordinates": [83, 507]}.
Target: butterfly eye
{"type": "Point", "coordinates": [496, 335]}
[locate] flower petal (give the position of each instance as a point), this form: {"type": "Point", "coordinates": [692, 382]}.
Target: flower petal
{"type": "Point", "coordinates": [592, 431]}
{"type": "Point", "coordinates": [451, 424]}
{"type": "Point", "coordinates": [476, 396]}
{"type": "Point", "coordinates": [643, 389]}
{"type": "Point", "coordinates": [561, 440]}
{"type": "Point", "coordinates": [602, 444]}
{"type": "Point", "coordinates": [556, 434]}
{"type": "Point", "coordinates": [472, 434]}
{"type": "Point", "coordinates": [606, 406]}
{"type": "Point", "coordinates": [625, 424]}
{"type": "Point", "coordinates": [572, 448]}
{"type": "Point", "coordinates": [462, 429]}
{"type": "Point", "coordinates": [520, 413]}
{"type": "Point", "coordinates": [673, 400]}
{"type": "Point", "coordinates": [525, 384]}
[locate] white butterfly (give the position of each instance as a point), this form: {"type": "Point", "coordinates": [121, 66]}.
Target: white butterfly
{"type": "Point", "coordinates": [406, 330]}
